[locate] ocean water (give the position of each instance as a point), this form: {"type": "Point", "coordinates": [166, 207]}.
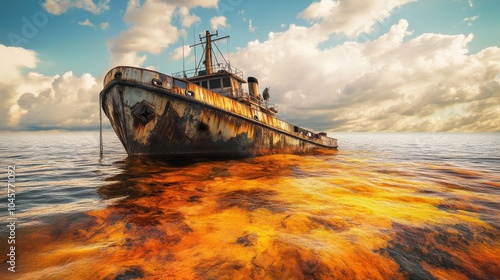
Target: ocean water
{"type": "Point", "coordinates": [384, 206]}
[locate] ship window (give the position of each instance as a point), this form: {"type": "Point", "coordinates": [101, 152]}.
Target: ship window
{"type": "Point", "coordinates": [204, 84]}
{"type": "Point", "coordinates": [215, 83]}
{"type": "Point", "coordinates": [226, 82]}
{"type": "Point", "coordinates": [179, 83]}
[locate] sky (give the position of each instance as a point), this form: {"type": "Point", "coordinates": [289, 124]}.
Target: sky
{"type": "Point", "coordinates": [331, 65]}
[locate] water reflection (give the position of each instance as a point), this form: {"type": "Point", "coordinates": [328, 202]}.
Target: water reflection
{"type": "Point", "coordinates": [325, 216]}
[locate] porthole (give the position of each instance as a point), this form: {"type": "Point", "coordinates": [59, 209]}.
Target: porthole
{"type": "Point", "coordinates": [157, 83]}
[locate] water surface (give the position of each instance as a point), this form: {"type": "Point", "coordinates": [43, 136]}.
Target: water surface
{"type": "Point", "coordinates": [385, 206]}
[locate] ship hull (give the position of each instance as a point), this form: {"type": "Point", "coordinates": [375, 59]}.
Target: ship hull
{"type": "Point", "coordinates": [154, 121]}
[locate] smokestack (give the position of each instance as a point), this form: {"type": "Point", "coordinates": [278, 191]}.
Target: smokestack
{"type": "Point", "coordinates": [253, 87]}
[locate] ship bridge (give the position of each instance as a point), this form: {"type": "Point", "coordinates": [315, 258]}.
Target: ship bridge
{"type": "Point", "coordinates": [225, 79]}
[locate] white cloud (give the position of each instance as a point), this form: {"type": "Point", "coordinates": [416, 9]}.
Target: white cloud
{"type": "Point", "coordinates": [57, 102]}
{"type": "Point", "coordinates": [473, 18]}
{"type": "Point", "coordinates": [104, 25]}
{"type": "Point", "coordinates": [14, 59]}
{"type": "Point", "coordinates": [350, 17]}
{"type": "Point", "coordinates": [251, 28]}
{"type": "Point", "coordinates": [86, 22]}
{"type": "Point", "coordinates": [58, 7]}
{"type": "Point", "coordinates": [36, 101]}
{"type": "Point", "coordinates": [178, 54]}
{"type": "Point", "coordinates": [391, 83]}
{"type": "Point", "coordinates": [151, 29]}
{"type": "Point", "coordinates": [218, 22]}
{"type": "Point", "coordinates": [319, 9]}
{"type": "Point", "coordinates": [469, 20]}
{"type": "Point", "coordinates": [192, 3]}
{"type": "Point", "coordinates": [187, 19]}
{"type": "Point", "coordinates": [390, 41]}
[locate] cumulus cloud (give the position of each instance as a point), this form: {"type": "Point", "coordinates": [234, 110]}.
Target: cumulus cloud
{"type": "Point", "coordinates": [180, 52]}
{"type": "Point", "coordinates": [57, 102]}
{"type": "Point", "coordinates": [350, 17]}
{"type": "Point", "coordinates": [391, 83]}
{"type": "Point", "coordinates": [57, 7]}
{"type": "Point", "coordinates": [36, 101]}
{"type": "Point", "coordinates": [192, 3]}
{"type": "Point", "coordinates": [151, 29]}
{"type": "Point", "coordinates": [218, 22]}
{"type": "Point", "coordinates": [86, 22]}
{"type": "Point", "coordinates": [14, 61]}
{"type": "Point", "coordinates": [187, 19]}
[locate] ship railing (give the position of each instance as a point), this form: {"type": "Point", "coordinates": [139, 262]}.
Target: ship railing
{"type": "Point", "coordinates": [270, 106]}
{"type": "Point", "coordinates": [245, 95]}
{"type": "Point", "coordinates": [228, 68]}
{"type": "Point", "coordinates": [217, 68]}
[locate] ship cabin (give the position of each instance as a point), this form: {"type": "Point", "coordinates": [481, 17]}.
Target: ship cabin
{"type": "Point", "coordinates": [227, 80]}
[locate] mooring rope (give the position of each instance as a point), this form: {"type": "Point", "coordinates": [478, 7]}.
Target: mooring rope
{"type": "Point", "coordinates": [100, 127]}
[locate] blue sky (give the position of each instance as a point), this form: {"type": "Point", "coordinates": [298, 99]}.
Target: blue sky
{"type": "Point", "coordinates": [399, 65]}
{"type": "Point", "coordinates": [63, 44]}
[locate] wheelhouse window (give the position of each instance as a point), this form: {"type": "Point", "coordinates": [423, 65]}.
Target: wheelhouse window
{"type": "Point", "coordinates": [218, 84]}
{"type": "Point", "coordinates": [226, 82]}
{"type": "Point", "coordinates": [215, 83]}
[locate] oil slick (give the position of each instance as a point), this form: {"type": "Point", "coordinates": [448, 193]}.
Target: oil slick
{"type": "Point", "coordinates": [325, 216]}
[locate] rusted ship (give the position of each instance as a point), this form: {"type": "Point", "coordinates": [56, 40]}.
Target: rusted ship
{"type": "Point", "coordinates": [208, 114]}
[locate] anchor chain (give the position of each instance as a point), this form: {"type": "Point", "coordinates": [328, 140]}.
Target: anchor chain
{"type": "Point", "coordinates": [101, 147]}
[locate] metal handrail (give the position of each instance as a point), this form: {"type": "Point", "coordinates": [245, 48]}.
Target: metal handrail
{"type": "Point", "coordinates": [217, 68]}
{"type": "Point", "coordinates": [265, 103]}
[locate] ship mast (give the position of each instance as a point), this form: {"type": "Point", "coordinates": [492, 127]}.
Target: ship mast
{"type": "Point", "coordinates": [208, 52]}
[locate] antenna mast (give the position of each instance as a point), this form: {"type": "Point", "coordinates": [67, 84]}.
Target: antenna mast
{"type": "Point", "coordinates": [183, 60]}
{"type": "Point", "coordinates": [208, 49]}
{"type": "Point", "coordinates": [195, 66]}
